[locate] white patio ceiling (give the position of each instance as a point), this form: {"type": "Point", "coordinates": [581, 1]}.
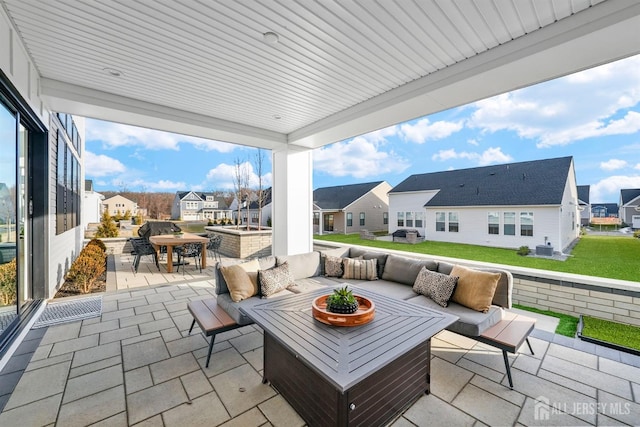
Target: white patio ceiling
{"type": "Point", "coordinates": [339, 69]}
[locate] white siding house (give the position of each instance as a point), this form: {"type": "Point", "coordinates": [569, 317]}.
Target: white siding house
{"type": "Point", "coordinates": [630, 207]}
{"type": "Point", "coordinates": [520, 204]}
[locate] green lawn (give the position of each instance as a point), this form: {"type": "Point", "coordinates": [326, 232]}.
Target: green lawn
{"type": "Point", "coordinates": [613, 332]}
{"type": "Point", "coordinates": [601, 256]}
{"type": "Point", "coordinates": [567, 326]}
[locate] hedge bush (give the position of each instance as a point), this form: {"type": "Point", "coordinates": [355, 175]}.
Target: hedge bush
{"type": "Point", "coordinates": [8, 282]}
{"type": "Point", "coordinates": [99, 243]}
{"type": "Point", "coordinates": [88, 267]}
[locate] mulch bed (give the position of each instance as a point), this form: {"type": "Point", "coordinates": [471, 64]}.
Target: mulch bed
{"type": "Point", "coordinates": [68, 289]}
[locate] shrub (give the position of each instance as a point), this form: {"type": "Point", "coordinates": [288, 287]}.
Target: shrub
{"type": "Point", "coordinates": [210, 222]}
{"type": "Point", "coordinates": [523, 250]}
{"type": "Point", "coordinates": [8, 279]}
{"type": "Point", "coordinates": [99, 243]}
{"type": "Point", "coordinates": [84, 271]}
{"type": "Point", "coordinates": [107, 227]}
{"type": "Point", "coordinates": [636, 234]}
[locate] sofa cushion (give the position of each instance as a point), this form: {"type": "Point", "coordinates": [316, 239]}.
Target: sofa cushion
{"type": "Point", "coordinates": [383, 287]}
{"type": "Point", "coordinates": [380, 257]}
{"type": "Point", "coordinates": [241, 279]}
{"type": "Point", "coordinates": [444, 267]}
{"type": "Point", "coordinates": [470, 322]}
{"type": "Point", "coordinates": [405, 270]}
{"type": "Point", "coordinates": [221, 284]}
{"type": "Point", "coordinates": [302, 265]}
{"type": "Point", "coordinates": [362, 269]}
{"type": "Point", "coordinates": [475, 288]}
{"type": "Point", "coordinates": [437, 286]}
{"type": "Point", "coordinates": [333, 266]}
{"type": "Point", "coordinates": [275, 279]}
{"type": "Point", "coordinates": [312, 283]}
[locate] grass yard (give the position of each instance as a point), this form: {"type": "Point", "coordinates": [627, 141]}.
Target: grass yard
{"type": "Point", "coordinates": [601, 256]}
{"type": "Point", "coordinates": [568, 324]}
{"type": "Point", "coordinates": [613, 332]}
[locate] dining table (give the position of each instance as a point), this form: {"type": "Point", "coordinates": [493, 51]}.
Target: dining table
{"type": "Point", "coordinates": [173, 240]}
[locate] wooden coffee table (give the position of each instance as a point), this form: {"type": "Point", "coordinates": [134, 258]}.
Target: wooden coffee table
{"type": "Point", "coordinates": [339, 376]}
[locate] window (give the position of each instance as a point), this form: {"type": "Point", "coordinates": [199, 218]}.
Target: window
{"type": "Point", "coordinates": [349, 219]}
{"type": "Point", "coordinates": [453, 222]}
{"type": "Point", "coordinates": [316, 218]}
{"type": "Point", "coordinates": [385, 218]}
{"type": "Point", "coordinates": [254, 217]}
{"type": "Point", "coordinates": [409, 217]}
{"type": "Point", "coordinates": [400, 219]}
{"type": "Point", "coordinates": [328, 222]}
{"type": "Point", "coordinates": [440, 218]}
{"type": "Point", "coordinates": [361, 218]}
{"type": "Point", "coordinates": [494, 223]}
{"type": "Point", "coordinates": [526, 223]}
{"type": "Point", "coordinates": [419, 219]}
{"type": "Point", "coordinates": [509, 223]}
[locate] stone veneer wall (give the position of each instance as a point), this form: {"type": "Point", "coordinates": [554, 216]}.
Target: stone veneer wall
{"type": "Point", "coordinates": [576, 298]}
{"type": "Point", "coordinates": [243, 243]}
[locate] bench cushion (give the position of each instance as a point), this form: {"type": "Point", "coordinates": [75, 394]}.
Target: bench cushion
{"type": "Point", "coordinates": [405, 270]}
{"type": "Point", "coordinates": [380, 258]}
{"type": "Point", "coordinates": [384, 287]}
{"type": "Point", "coordinates": [302, 265]}
{"type": "Point", "coordinates": [471, 323]}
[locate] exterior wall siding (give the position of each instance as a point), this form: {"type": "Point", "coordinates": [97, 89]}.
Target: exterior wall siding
{"type": "Point", "coordinates": [373, 204]}
{"type": "Point", "coordinates": [569, 214]}
{"type": "Point", "coordinates": [474, 226]}
{"type": "Point", "coordinates": [408, 202]}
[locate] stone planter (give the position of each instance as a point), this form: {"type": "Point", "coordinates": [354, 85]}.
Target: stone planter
{"type": "Point", "coordinates": [242, 243]}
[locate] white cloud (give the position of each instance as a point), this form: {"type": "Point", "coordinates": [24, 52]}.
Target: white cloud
{"type": "Point", "coordinates": [637, 166]}
{"type": "Point", "coordinates": [222, 176]}
{"type": "Point", "coordinates": [589, 104]}
{"type": "Point", "coordinates": [97, 165]}
{"type": "Point", "coordinates": [613, 164]}
{"type": "Point", "coordinates": [490, 156]}
{"type": "Point", "coordinates": [360, 157]}
{"type": "Point", "coordinates": [473, 141]}
{"type": "Point", "coordinates": [423, 130]}
{"type": "Point", "coordinates": [114, 135]}
{"type": "Point", "coordinates": [608, 190]}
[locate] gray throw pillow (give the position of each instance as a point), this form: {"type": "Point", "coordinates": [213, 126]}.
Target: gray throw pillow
{"type": "Point", "coordinates": [437, 286]}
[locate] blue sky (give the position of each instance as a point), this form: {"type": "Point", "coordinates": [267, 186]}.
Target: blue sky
{"type": "Point", "coordinates": [593, 116]}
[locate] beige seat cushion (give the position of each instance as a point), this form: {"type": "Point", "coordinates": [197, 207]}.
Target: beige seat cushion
{"type": "Point", "coordinates": [475, 288]}
{"type": "Point", "coordinates": [242, 279]}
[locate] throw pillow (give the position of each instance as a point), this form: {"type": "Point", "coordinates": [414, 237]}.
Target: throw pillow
{"type": "Point", "coordinates": [242, 279]}
{"type": "Point", "coordinates": [475, 288]}
{"type": "Point", "coordinates": [275, 279]}
{"type": "Point", "coordinates": [361, 269]}
{"type": "Point", "coordinates": [437, 286]}
{"type": "Point", "coordinates": [333, 266]}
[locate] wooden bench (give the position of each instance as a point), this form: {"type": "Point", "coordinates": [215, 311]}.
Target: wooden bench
{"type": "Point", "coordinates": [508, 335]}
{"type": "Point", "coordinates": [211, 320]}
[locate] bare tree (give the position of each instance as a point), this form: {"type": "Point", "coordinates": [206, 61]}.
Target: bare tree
{"type": "Point", "coordinates": [241, 180]}
{"type": "Point", "coordinates": [258, 164]}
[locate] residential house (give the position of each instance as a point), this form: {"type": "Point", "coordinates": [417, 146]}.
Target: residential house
{"type": "Point", "coordinates": [510, 205]}
{"type": "Point", "coordinates": [119, 205]}
{"type": "Point", "coordinates": [630, 207]}
{"type": "Point", "coordinates": [584, 204]}
{"type": "Point", "coordinates": [604, 210]}
{"type": "Point", "coordinates": [92, 204]}
{"type": "Point", "coordinates": [350, 208]}
{"type": "Point", "coordinates": [328, 100]}
{"type": "Point", "coordinates": [199, 206]}
{"type": "Point", "coordinates": [253, 214]}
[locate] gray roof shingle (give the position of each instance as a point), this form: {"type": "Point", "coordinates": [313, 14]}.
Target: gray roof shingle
{"type": "Point", "coordinates": [583, 193]}
{"type": "Point", "coordinates": [341, 196]}
{"type": "Point", "coordinates": [537, 182]}
{"type": "Point", "coordinates": [628, 194]}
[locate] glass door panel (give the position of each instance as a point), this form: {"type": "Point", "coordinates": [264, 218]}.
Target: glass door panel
{"type": "Point", "coordinates": [25, 293]}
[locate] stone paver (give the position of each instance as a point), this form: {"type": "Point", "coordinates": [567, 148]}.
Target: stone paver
{"type": "Point", "coordinates": [136, 364]}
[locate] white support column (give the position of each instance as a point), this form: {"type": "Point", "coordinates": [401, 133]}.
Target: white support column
{"type": "Point", "coordinates": [292, 201]}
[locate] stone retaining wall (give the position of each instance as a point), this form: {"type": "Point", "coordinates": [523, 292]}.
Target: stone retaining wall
{"type": "Point", "coordinates": [243, 243]}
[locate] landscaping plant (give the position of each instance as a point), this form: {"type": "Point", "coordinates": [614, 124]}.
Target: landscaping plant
{"type": "Point", "coordinates": [8, 282]}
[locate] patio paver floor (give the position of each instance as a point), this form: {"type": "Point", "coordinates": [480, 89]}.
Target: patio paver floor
{"type": "Point", "coordinates": [137, 365]}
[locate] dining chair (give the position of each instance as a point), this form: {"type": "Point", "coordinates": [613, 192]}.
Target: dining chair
{"type": "Point", "coordinates": [189, 250]}
{"type": "Point", "coordinates": [213, 246]}
{"type": "Point", "coordinates": [142, 247]}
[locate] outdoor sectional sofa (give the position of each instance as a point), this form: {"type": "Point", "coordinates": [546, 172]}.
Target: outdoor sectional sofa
{"type": "Point", "coordinates": [396, 276]}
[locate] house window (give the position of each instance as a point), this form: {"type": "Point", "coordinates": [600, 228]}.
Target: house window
{"type": "Point", "coordinates": [400, 219]}
{"type": "Point", "coordinates": [385, 218]}
{"type": "Point", "coordinates": [254, 217]}
{"type": "Point", "coordinates": [409, 219]}
{"type": "Point", "coordinates": [440, 218]}
{"type": "Point", "coordinates": [494, 223]}
{"type": "Point", "coordinates": [419, 219]}
{"type": "Point", "coordinates": [349, 219]}
{"type": "Point", "coordinates": [361, 218]}
{"type": "Point", "coordinates": [526, 223]}
{"type": "Point", "coordinates": [453, 222]}
{"type": "Point", "coordinates": [316, 218]}
{"type": "Point", "coordinates": [509, 223]}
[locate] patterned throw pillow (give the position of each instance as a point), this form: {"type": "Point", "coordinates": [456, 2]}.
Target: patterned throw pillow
{"type": "Point", "coordinates": [333, 266]}
{"type": "Point", "coordinates": [361, 269]}
{"type": "Point", "coordinates": [274, 280]}
{"type": "Point", "coordinates": [437, 286]}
